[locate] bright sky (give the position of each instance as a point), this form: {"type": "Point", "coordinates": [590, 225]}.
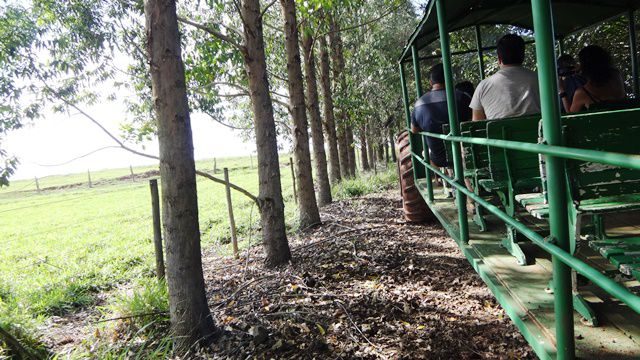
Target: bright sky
{"type": "Point", "coordinates": [59, 138]}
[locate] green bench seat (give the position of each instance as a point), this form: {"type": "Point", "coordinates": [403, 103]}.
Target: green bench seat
{"type": "Point", "coordinates": [513, 172]}
{"type": "Point", "coordinates": [623, 254]}
{"type": "Point", "coordinates": [596, 189]}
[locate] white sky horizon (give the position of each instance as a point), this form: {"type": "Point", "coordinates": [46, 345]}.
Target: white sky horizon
{"type": "Point", "coordinates": [59, 138]}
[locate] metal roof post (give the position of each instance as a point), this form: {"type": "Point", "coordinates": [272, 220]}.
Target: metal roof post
{"type": "Point", "coordinates": [480, 55]}
{"type": "Point", "coordinates": [461, 198]}
{"type": "Point", "coordinates": [556, 182]}
{"type": "Point", "coordinates": [419, 138]}
{"type": "Point", "coordinates": [634, 53]}
{"type": "Point", "coordinates": [407, 113]}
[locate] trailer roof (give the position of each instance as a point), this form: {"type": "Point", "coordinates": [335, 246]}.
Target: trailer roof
{"type": "Point", "coordinates": [569, 16]}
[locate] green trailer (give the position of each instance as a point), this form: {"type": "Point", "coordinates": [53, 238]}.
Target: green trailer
{"type": "Point", "coordinates": [554, 240]}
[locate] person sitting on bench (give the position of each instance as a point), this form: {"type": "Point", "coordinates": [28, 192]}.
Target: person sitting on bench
{"type": "Point", "coordinates": [466, 87]}
{"type": "Point", "coordinates": [431, 113]}
{"type": "Point", "coordinates": [569, 80]}
{"type": "Point", "coordinates": [513, 90]}
{"type": "Point", "coordinates": [604, 82]}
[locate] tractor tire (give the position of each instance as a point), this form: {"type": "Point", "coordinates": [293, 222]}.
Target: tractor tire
{"type": "Point", "coordinates": [413, 204]}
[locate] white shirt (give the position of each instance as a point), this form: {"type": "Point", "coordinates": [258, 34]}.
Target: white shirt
{"type": "Point", "coordinates": [512, 91]}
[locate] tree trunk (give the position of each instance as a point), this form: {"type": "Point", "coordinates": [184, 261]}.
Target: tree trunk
{"type": "Point", "coordinates": [380, 149]}
{"type": "Point", "coordinates": [191, 320]}
{"type": "Point", "coordinates": [393, 146]}
{"type": "Point", "coordinates": [386, 151]}
{"type": "Point", "coordinates": [339, 83]}
{"type": "Point", "coordinates": [307, 205]}
{"type": "Point", "coordinates": [370, 142]}
{"type": "Point", "coordinates": [364, 157]}
{"type": "Point", "coordinates": [351, 148]}
{"type": "Point", "coordinates": [329, 117]}
{"type": "Point", "coordinates": [274, 235]}
{"type": "Point", "coordinates": [343, 152]}
{"type": "Point", "coordinates": [313, 108]}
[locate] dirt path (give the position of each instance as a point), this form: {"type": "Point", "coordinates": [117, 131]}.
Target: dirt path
{"type": "Point", "coordinates": [365, 285]}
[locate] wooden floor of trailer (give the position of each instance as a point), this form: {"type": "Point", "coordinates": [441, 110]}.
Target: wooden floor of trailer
{"type": "Point", "coordinates": [521, 289]}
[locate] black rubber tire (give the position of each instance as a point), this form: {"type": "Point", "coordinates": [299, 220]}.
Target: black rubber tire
{"type": "Point", "coordinates": [413, 204]}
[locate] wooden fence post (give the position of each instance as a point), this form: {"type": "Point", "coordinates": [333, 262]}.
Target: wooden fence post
{"type": "Point", "coordinates": [232, 221]}
{"type": "Point", "coordinates": [89, 176]}
{"type": "Point", "coordinates": [293, 177]}
{"type": "Point", "coordinates": [157, 231]}
{"type": "Point", "coordinates": [133, 176]}
{"type": "Point", "coordinates": [215, 166]}
{"type": "Point", "coordinates": [37, 185]}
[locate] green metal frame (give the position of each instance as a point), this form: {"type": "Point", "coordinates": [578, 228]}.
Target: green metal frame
{"type": "Point", "coordinates": [633, 52]}
{"type": "Point", "coordinates": [454, 127]}
{"type": "Point", "coordinates": [558, 244]}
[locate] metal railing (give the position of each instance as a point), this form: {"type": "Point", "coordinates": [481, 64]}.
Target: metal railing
{"type": "Point", "coordinates": [558, 243]}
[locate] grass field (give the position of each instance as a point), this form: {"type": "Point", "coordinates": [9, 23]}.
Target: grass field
{"type": "Point", "coordinates": [62, 246]}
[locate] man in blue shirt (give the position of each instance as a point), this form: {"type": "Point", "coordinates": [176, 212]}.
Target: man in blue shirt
{"type": "Point", "coordinates": [431, 113]}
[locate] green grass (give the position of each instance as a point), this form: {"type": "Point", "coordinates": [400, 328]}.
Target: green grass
{"type": "Point", "coordinates": [62, 247]}
{"type": "Point", "coordinates": [366, 184]}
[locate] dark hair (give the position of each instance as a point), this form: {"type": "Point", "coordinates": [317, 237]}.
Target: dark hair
{"type": "Point", "coordinates": [466, 87]}
{"type": "Point", "coordinates": [595, 64]}
{"type": "Point", "coordinates": [436, 74]}
{"type": "Point", "coordinates": [511, 49]}
{"type": "Point", "coordinates": [565, 61]}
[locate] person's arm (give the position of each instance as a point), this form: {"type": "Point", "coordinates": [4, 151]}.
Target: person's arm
{"type": "Point", "coordinates": [579, 102]}
{"type": "Point", "coordinates": [566, 103]}
{"type": "Point", "coordinates": [415, 128]}
{"type": "Point", "coordinates": [477, 110]}
{"type": "Point", "coordinates": [478, 114]}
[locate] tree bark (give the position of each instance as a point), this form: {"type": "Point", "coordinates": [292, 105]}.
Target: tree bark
{"type": "Point", "coordinates": [339, 82]}
{"type": "Point", "coordinates": [364, 157]}
{"type": "Point", "coordinates": [191, 320]}
{"type": "Point", "coordinates": [380, 154]}
{"type": "Point", "coordinates": [313, 108]}
{"type": "Point", "coordinates": [370, 150]}
{"type": "Point", "coordinates": [274, 235]}
{"type": "Point", "coordinates": [393, 145]}
{"type": "Point", "coordinates": [329, 116]}
{"type": "Point", "coordinates": [343, 152]}
{"type": "Point", "coordinates": [307, 205]}
{"type": "Point", "coordinates": [351, 148]}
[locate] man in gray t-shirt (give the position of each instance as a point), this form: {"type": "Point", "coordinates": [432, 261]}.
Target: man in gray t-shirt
{"type": "Point", "coordinates": [513, 90]}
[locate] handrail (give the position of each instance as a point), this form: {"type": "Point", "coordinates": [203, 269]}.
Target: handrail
{"type": "Point", "coordinates": [605, 157]}
{"type": "Point", "coordinates": [608, 285]}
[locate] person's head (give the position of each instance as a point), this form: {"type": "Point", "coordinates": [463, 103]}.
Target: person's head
{"type": "Point", "coordinates": [595, 64]}
{"type": "Point", "coordinates": [566, 65]}
{"type": "Point", "coordinates": [466, 87]}
{"type": "Point", "coordinates": [510, 50]}
{"type": "Point", "coordinates": [436, 74]}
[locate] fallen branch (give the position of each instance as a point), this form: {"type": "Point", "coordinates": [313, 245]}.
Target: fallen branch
{"type": "Point", "coordinates": [124, 146]}
{"type": "Point", "coordinates": [243, 286]}
{"type": "Point", "coordinates": [336, 236]}
{"type": "Point", "coordinates": [355, 325]}
{"type": "Point", "coordinates": [133, 316]}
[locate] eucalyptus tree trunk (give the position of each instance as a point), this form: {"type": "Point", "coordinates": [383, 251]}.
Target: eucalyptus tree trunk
{"type": "Point", "coordinates": [351, 149]}
{"type": "Point", "coordinates": [392, 144]}
{"type": "Point", "coordinates": [343, 153]}
{"type": "Point", "coordinates": [364, 158]}
{"type": "Point", "coordinates": [307, 205]}
{"type": "Point", "coordinates": [380, 150]}
{"type": "Point", "coordinates": [339, 82]}
{"type": "Point", "coordinates": [191, 320]}
{"type": "Point", "coordinates": [274, 235]}
{"type": "Point", "coordinates": [313, 108]}
{"type": "Point", "coordinates": [329, 117]}
{"type": "Point", "coordinates": [370, 150]}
